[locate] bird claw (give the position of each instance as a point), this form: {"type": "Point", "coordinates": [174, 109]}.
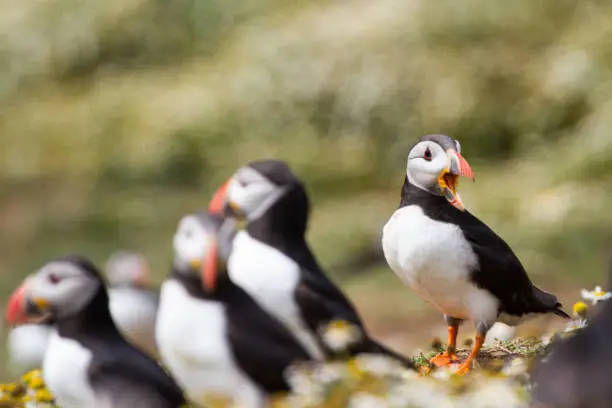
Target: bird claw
{"type": "Point", "coordinates": [464, 369]}
{"type": "Point", "coordinates": [444, 359]}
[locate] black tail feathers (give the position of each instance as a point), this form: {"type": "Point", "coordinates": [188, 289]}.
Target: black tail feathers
{"type": "Point", "coordinates": [559, 312]}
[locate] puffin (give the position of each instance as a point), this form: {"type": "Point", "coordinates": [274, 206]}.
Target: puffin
{"type": "Point", "coordinates": [272, 261]}
{"type": "Point", "coordinates": [213, 337]}
{"type": "Point", "coordinates": [575, 373]}
{"type": "Point", "coordinates": [27, 344]}
{"type": "Point", "coordinates": [450, 258]}
{"type": "Point", "coordinates": [88, 363]}
{"type": "Point", "coordinates": [133, 302]}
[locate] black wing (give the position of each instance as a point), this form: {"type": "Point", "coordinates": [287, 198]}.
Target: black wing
{"type": "Point", "coordinates": [262, 346]}
{"type": "Point", "coordinates": [320, 305]}
{"type": "Point", "coordinates": [122, 376]}
{"type": "Point", "coordinates": [320, 301]}
{"type": "Point", "coordinates": [500, 271]}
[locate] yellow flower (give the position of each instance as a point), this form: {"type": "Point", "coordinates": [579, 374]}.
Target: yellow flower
{"type": "Point", "coordinates": [43, 396]}
{"type": "Point", "coordinates": [33, 379]}
{"type": "Point", "coordinates": [580, 309]}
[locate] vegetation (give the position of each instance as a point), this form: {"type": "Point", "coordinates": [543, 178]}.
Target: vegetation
{"type": "Point", "coordinates": [500, 379]}
{"type": "Point", "coordinates": [117, 117]}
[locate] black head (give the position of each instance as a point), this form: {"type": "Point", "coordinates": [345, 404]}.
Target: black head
{"type": "Point", "coordinates": [266, 193]}
{"type": "Point", "coordinates": [445, 141]}
{"type": "Point", "coordinates": [61, 289]}
{"type": "Point", "coordinates": [435, 164]}
{"type": "Point", "coordinates": [202, 245]}
{"type": "Point", "coordinates": [128, 268]}
{"type": "Point", "coordinates": [276, 171]}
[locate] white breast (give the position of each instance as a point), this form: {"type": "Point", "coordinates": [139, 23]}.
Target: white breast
{"type": "Point", "coordinates": [271, 278]}
{"type": "Point", "coordinates": [434, 259]}
{"type": "Point", "coordinates": [192, 339]}
{"type": "Point", "coordinates": [135, 314]}
{"type": "Point", "coordinates": [65, 372]}
{"type": "Point", "coordinates": [27, 345]}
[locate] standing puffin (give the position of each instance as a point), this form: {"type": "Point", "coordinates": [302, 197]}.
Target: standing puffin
{"type": "Point", "coordinates": [212, 336]}
{"type": "Point", "coordinates": [450, 258]}
{"type": "Point", "coordinates": [133, 303]}
{"type": "Point", "coordinates": [273, 262]}
{"type": "Point", "coordinates": [88, 363]}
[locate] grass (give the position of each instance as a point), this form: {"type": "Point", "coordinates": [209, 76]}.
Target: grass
{"type": "Point", "coordinates": [117, 118]}
{"type": "Point", "coordinates": [377, 379]}
{"type": "Point", "coordinates": [500, 378]}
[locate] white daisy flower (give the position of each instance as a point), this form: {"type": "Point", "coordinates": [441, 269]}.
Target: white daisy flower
{"type": "Point", "coordinates": [339, 335]}
{"type": "Point", "coordinates": [515, 367]}
{"type": "Point", "coordinates": [378, 364]}
{"type": "Point", "coordinates": [363, 400]}
{"type": "Point", "coordinates": [595, 296]}
{"type": "Point", "coordinates": [329, 373]}
{"type": "Point", "coordinates": [494, 393]}
{"type": "Point", "coordinates": [423, 393]}
{"type": "Point", "coordinates": [575, 325]}
{"type": "Point", "coordinates": [444, 373]}
{"type": "Point", "coordinates": [546, 340]}
{"type": "Point", "coordinates": [304, 388]}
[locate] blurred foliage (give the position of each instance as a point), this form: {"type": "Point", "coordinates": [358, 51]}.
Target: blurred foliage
{"type": "Point", "coordinates": [117, 117]}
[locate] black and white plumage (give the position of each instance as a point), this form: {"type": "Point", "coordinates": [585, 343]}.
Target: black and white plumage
{"type": "Point", "coordinates": [449, 257]}
{"type": "Point", "coordinates": [212, 336]}
{"type": "Point", "coordinates": [88, 363]}
{"type": "Point", "coordinates": [133, 303]}
{"type": "Point", "coordinates": [272, 260]}
{"type": "Point", "coordinates": [27, 344]}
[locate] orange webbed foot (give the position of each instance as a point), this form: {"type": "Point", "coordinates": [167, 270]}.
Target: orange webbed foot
{"type": "Point", "coordinates": [444, 359]}
{"type": "Point", "coordinates": [464, 369]}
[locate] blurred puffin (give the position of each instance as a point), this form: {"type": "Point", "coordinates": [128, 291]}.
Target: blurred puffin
{"type": "Point", "coordinates": [449, 257]}
{"type": "Point", "coordinates": [133, 303]}
{"type": "Point", "coordinates": [576, 372]}
{"type": "Point", "coordinates": [88, 363]}
{"type": "Point", "coordinates": [212, 336]}
{"type": "Point", "coordinates": [27, 345]}
{"type": "Point", "coordinates": [273, 262]}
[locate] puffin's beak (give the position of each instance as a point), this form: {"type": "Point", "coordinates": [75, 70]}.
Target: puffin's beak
{"type": "Point", "coordinates": [457, 166]}
{"type": "Point", "coordinates": [210, 267]}
{"type": "Point", "coordinates": [142, 279]}
{"type": "Point", "coordinates": [220, 205]}
{"type": "Point", "coordinates": [22, 308]}
{"type": "Point", "coordinates": [217, 204]}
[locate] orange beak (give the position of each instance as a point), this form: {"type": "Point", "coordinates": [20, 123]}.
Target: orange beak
{"type": "Point", "coordinates": [210, 267]}
{"type": "Point", "coordinates": [16, 310]}
{"type": "Point", "coordinates": [459, 166]}
{"type": "Point", "coordinates": [142, 279]}
{"type": "Point", "coordinates": [217, 204]}
{"type": "Point", "coordinates": [449, 178]}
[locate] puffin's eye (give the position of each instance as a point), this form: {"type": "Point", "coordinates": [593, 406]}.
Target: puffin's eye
{"type": "Point", "coordinates": [240, 182]}
{"type": "Point", "coordinates": [53, 278]}
{"type": "Point", "coordinates": [188, 234]}
{"type": "Point", "coordinates": [427, 155]}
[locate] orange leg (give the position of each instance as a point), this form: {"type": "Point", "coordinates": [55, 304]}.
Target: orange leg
{"type": "Point", "coordinates": [449, 356]}
{"type": "Point", "coordinates": [467, 364]}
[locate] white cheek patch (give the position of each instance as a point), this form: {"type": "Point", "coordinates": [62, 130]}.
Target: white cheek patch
{"type": "Point", "coordinates": [190, 241]}
{"type": "Point", "coordinates": [255, 198]}
{"type": "Point", "coordinates": [422, 173]}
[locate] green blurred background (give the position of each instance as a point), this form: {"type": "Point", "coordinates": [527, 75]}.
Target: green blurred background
{"type": "Point", "coordinates": [119, 116]}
